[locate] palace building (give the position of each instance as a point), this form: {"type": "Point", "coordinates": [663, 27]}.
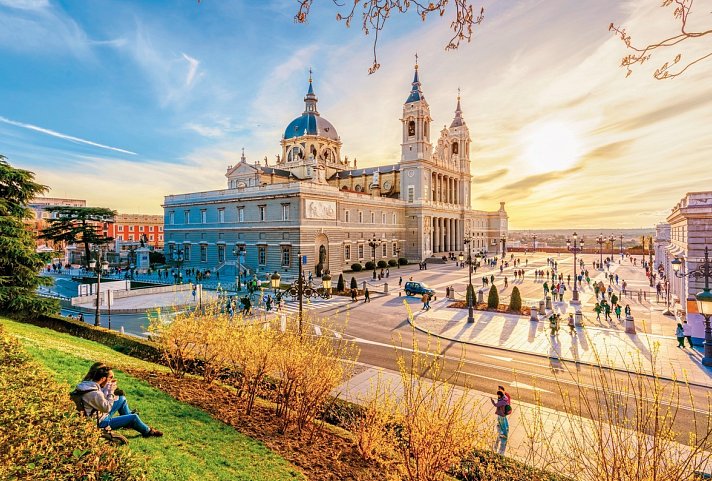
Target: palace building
{"type": "Point", "coordinates": [316, 202]}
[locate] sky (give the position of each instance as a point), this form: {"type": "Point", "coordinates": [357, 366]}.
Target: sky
{"type": "Point", "coordinates": [123, 102]}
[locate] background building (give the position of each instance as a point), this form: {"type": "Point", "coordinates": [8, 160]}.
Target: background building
{"type": "Point", "coordinates": [316, 202]}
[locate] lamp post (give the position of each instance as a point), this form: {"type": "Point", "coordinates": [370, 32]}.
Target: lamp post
{"type": "Point", "coordinates": [612, 240]}
{"type": "Point", "coordinates": [238, 252]}
{"type": "Point", "coordinates": [398, 251]}
{"type": "Point", "coordinates": [575, 247]}
{"type": "Point", "coordinates": [96, 265]}
{"type": "Point", "coordinates": [470, 290]}
{"type": "Point", "coordinates": [299, 289]}
{"type": "Point", "coordinates": [373, 243]}
{"type": "Point", "coordinates": [650, 258]}
{"type": "Point", "coordinates": [704, 299]}
{"type": "Point", "coordinates": [503, 239]}
{"type": "Point", "coordinates": [600, 242]}
{"type": "Point", "coordinates": [621, 238]}
{"type": "Point", "coordinates": [534, 250]}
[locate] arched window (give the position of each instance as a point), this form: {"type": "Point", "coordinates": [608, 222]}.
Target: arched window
{"type": "Point", "coordinates": [455, 146]}
{"type": "Point", "coordinates": [426, 129]}
{"type": "Point", "coordinates": [411, 128]}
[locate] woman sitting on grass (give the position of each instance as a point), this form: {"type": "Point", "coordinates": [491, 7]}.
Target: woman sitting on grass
{"type": "Point", "coordinates": [101, 398]}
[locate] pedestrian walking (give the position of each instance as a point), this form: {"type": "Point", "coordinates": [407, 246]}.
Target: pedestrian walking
{"type": "Point", "coordinates": [680, 334]}
{"type": "Point", "coordinates": [400, 281]}
{"type": "Point", "coordinates": [366, 295]}
{"type": "Point", "coordinates": [426, 302]}
{"type": "Point", "coordinates": [572, 324]}
{"type": "Point", "coordinates": [687, 330]}
{"type": "Point", "coordinates": [502, 409]}
{"type": "Point", "coordinates": [353, 295]}
{"type": "Point", "coordinates": [597, 309]}
{"type": "Point", "coordinates": [618, 311]}
{"type": "Point", "coordinates": [627, 310]}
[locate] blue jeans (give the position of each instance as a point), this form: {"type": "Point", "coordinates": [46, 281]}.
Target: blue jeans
{"type": "Point", "coordinates": [125, 419]}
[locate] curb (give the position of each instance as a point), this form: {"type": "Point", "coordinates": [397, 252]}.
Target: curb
{"type": "Point", "coordinates": [520, 351]}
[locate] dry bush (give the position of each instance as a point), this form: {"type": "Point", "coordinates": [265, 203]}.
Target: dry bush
{"type": "Point", "coordinates": [213, 338]}
{"type": "Point", "coordinates": [374, 426]}
{"type": "Point", "coordinates": [176, 339]}
{"type": "Point", "coordinates": [440, 423]}
{"type": "Point", "coordinates": [308, 369]}
{"type": "Point", "coordinates": [624, 425]}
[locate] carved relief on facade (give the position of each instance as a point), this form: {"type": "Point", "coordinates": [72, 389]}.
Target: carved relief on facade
{"type": "Point", "coordinates": [320, 209]}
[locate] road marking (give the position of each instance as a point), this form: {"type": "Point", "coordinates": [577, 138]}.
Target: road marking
{"type": "Point", "coordinates": [521, 385]}
{"type": "Point", "coordinates": [483, 377]}
{"type": "Point", "coordinates": [501, 358]}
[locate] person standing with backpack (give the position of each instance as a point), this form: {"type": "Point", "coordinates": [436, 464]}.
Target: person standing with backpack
{"type": "Point", "coordinates": [97, 398]}
{"type": "Point", "coordinates": [502, 410]}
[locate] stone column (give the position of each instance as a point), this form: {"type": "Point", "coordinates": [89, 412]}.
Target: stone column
{"type": "Point", "coordinates": [436, 231]}
{"type": "Point", "coordinates": [452, 235]}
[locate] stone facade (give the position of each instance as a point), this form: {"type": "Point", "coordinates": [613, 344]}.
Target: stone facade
{"type": "Point", "coordinates": [315, 202]}
{"type": "Point", "coordinates": [690, 231]}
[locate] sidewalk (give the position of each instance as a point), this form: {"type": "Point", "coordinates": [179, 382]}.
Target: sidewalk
{"type": "Point", "coordinates": [150, 301]}
{"type": "Point", "coordinates": [615, 348]}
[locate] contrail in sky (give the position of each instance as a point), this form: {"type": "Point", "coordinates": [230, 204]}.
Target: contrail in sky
{"type": "Point", "coordinates": [63, 136]}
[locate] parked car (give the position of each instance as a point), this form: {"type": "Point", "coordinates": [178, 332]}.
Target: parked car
{"type": "Point", "coordinates": [417, 288]}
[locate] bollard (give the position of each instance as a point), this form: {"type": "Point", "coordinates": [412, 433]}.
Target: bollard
{"type": "Point", "coordinates": [578, 319]}
{"type": "Point", "coordinates": [480, 297]}
{"type": "Point", "coordinates": [629, 325]}
{"type": "Point", "coordinates": [385, 288]}
{"type": "Point", "coordinates": [542, 309]}
{"type": "Point", "coordinates": [122, 330]}
{"type": "Point", "coordinates": [548, 302]}
{"type": "Point", "coordinates": [533, 314]}
{"type": "Point", "coordinates": [363, 286]}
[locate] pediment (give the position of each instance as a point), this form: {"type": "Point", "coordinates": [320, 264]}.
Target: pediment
{"type": "Point", "coordinates": [243, 168]}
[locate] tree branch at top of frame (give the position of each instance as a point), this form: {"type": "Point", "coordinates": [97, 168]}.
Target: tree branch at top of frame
{"type": "Point", "coordinates": [643, 53]}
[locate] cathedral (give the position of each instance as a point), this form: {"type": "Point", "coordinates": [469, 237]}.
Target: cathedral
{"type": "Point", "coordinates": [316, 205]}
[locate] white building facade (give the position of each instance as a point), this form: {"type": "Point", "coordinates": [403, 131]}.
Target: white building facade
{"type": "Point", "coordinates": [316, 202]}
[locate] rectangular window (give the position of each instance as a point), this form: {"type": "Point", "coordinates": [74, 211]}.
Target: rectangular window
{"type": "Point", "coordinates": [347, 253]}
{"type": "Point", "coordinates": [360, 217]}
{"type": "Point", "coordinates": [360, 251]}
{"type": "Point", "coordinates": [186, 217]}
{"type": "Point", "coordinates": [150, 228]}
{"type": "Point", "coordinates": [203, 253]}
{"type": "Point", "coordinates": [221, 216]}
{"type": "Point", "coordinates": [395, 250]}
{"type": "Point", "coordinates": [119, 237]}
{"type": "Point", "coordinates": [383, 217]}
{"type": "Point", "coordinates": [286, 256]}
{"type": "Point", "coordinates": [186, 252]}
{"type": "Point", "coordinates": [241, 214]}
{"type": "Point", "coordinates": [160, 237]}
{"type": "Point", "coordinates": [395, 219]}
{"type": "Point", "coordinates": [160, 228]}
{"type": "Point", "coordinates": [140, 228]}
{"type": "Point", "coordinates": [373, 217]}
{"type": "Point", "coordinates": [263, 209]}
{"type": "Point", "coordinates": [285, 211]}
{"type": "Point", "coordinates": [384, 250]}
{"type": "Point", "coordinates": [411, 194]}
{"type": "Point", "coordinates": [150, 237]}
{"type": "Point", "coordinates": [131, 237]}
{"type": "Point", "coordinates": [261, 255]}
{"type": "Point", "coordinates": [131, 228]}
{"type": "Point", "coordinates": [347, 216]}
{"type": "Point", "coordinates": [120, 228]}
{"type": "Point", "coordinates": [203, 216]}
{"type": "Point", "coordinates": [221, 253]}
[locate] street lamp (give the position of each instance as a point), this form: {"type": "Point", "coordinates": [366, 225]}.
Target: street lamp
{"type": "Point", "coordinates": [504, 245]}
{"type": "Point", "coordinates": [398, 251]}
{"type": "Point", "coordinates": [373, 243]}
{"type": "Point", "coordinates": [576, 247]}
{"type": "Point", "coordinates": [299, 290]}
{"type": "Point", "coordinates": [621, 238]}
{"type": "Point", "coordinates": [600, 242]}
{"type": "Point", "coordinates": [661, 271]}
{"type": "Point", "coordinates": [238, 252]}
{"type": "Point", "coordinates": [470, 290]}
{"type": "Point", "coordinates": [704, 299]}
{"type": "Point", "coordinates": [96, 265]}
{"type": "Point", "coordinates": [534, 250]}
{"type": "Point", "coordinates": [650, 259]}
{"type": "Point", "coordinates": [612, 240]}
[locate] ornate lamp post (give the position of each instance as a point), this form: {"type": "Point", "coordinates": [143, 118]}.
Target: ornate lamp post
{"type": "Point", "coordinates": [704, 299]}
{"type": "Point", "coordinates": [612, 240]}
{"type": "Point", "coordinates": [650, 258]}
{"type": "Point", "coordinates": [575, 247]}
{"type": "Point", "coordinates": [621, 238]}
{"type": "Point", "coordinates": [600, 242]}
{"type": "Point", "coordinates": [661, 271]}
{"type": "Point", "coordinates": [503, 239]}
{"type": "Point", "coordinates": [299, 290]}
{"type": "Point", "coordinates": [534, 249]}
{"type": "Point", "coordinates": [96, 266]}
{"type": "Point", "coordinates": [373, 243]}
{"type": "Point", "coordinates": [238, 252]}
{"type": "Point", "coordinates": [470, 290]}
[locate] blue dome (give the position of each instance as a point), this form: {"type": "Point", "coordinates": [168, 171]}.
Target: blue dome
{"type": "Point", "coordinates": [310, 124]}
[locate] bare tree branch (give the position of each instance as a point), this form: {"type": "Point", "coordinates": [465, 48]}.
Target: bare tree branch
{"type": "Point", "coordinates": [375, 13]}
{"type": "Point", "coordinates": [681, 13]}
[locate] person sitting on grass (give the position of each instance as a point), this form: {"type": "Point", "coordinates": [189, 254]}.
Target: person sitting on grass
{"type": "Point", "coordinates": [100, 400]}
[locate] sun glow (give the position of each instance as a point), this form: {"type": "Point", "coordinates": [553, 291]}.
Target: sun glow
{"type": "Point", "coordinates": [549, 146]}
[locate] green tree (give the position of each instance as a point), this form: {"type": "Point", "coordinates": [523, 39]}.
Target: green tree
{"type": "Point", "coordinates": [515, 302]}
{"type": "Point", "coordinates": [470, 295]}
{"type": "Point", "coordinates": [493, 298]}
{"type": "Point", "coordinates": [354, 284]}
{"type": "Point", "coordinates": [74, 225]}
{"type": "Point", "coordinates": [19, 261]}
{"type": "Point", "coordinates": [340, 285]}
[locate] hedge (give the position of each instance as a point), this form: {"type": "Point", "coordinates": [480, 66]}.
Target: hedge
{"type": "Point", "coordinates": [402, 261]}
{"type": "Point", "coordinates": [382, 264]}
{"type": "Point", "coordinates": [392, 262]}
{"type": "Point", "coordinates": [356, 267]}
{"type": "Point", "coordinates": [370, 265]}
{"type": "Point", "coordinates": [54, 442]}
{"type": "Point", "coordinates": [493, 298]}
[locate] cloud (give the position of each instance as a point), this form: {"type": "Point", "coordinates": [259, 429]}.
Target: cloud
{"type": "Point", "coordinates": [483, 179]}
{"type": "Point", "coordinates": [63, 136]}
{"type": "Point", "coordinates": [192, 68]}
{"type": "Point", "coordinates": [524, 187]}
{"type": "Point", "coordinates": [25, 4]}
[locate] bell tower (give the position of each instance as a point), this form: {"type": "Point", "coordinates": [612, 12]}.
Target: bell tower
{"type": "Point", "coordinates": [416, 124]}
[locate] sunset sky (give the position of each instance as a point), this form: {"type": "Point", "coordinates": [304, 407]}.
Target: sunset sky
{"type": "Point", "coordinates": [123, 102]}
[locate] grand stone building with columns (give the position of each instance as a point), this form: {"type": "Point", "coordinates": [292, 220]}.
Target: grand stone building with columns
{"type": "Point", "coordinates": [313, 200]}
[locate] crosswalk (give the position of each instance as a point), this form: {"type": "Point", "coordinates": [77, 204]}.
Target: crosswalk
{"type": "Point", "coordinates": [292, 307]}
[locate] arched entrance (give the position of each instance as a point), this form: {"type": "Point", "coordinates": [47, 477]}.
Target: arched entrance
{"type": "Point", "coordinates": [321, 254]}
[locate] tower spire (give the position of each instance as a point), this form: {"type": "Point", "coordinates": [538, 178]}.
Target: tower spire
{"type": "Point", "coordinates": [458, 121]}
{"type": "Point", "coordinates": [310, 100]}
{"type": "Point", "coordinates": [415, 92]}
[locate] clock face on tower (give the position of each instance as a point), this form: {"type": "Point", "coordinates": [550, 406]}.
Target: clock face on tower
{"type": "Point", "coordinates": [411, 173]}
{"type": "Point", "coordinates": [387, 185]}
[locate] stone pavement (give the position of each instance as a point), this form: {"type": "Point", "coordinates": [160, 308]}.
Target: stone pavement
{"type": "Point", "coordinates": [538, 436]}
{"type": "Point", "coordinates": [151, 301]}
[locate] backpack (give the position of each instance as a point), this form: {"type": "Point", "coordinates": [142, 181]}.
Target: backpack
{"type": "Point", "coordinates": [77, 396]}
{"type": "Point", "coordinates": [507, 409]}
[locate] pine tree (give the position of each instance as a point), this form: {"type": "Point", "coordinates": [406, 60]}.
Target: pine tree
{"type": "Point", "coordinates": [354, 284]}
{"type": "Point", "coordinates": [340, 285]}
{"type": "Point", "coordinates": [20, 264]}
{"type": "Point", "coordinates": [74, 225]}
{"type": "Point", "coordinates": [493, 298]}
{"type": "Point", "coordinates": [515, 302]}
{"type": "Point", "coordinates": [470, 295]}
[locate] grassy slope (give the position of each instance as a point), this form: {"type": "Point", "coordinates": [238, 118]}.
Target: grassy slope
{"type": "Point", "coordinates": [195, 446]}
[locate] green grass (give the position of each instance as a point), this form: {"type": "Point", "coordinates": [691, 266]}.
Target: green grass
{"type": "Point", "coordinates": [194, 446]}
